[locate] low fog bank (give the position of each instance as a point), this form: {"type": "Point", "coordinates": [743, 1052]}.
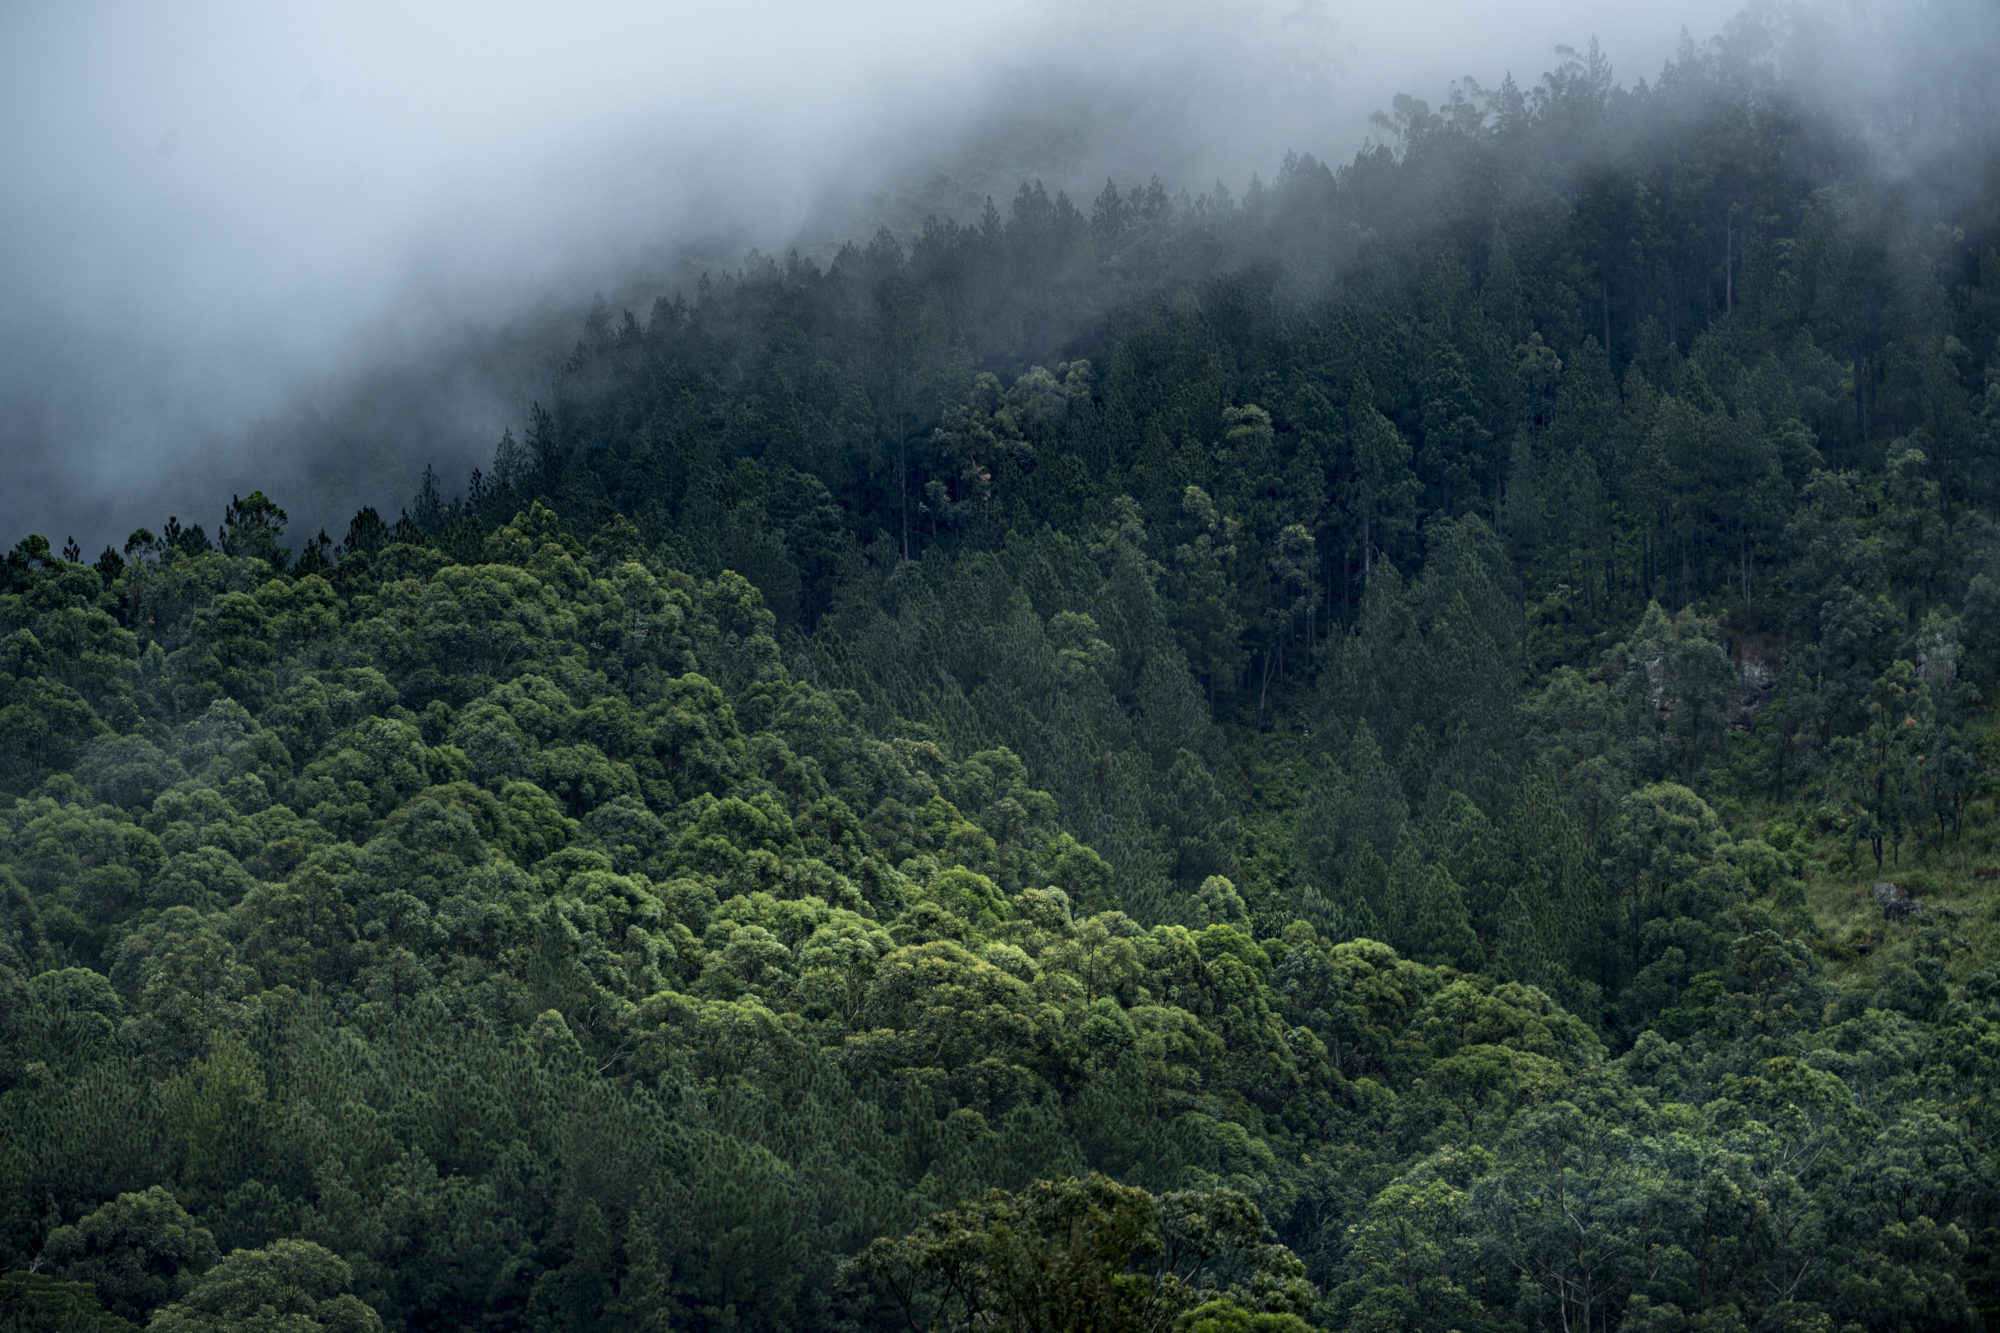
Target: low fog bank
{"type": "Point", "coordinates": [311, 250]}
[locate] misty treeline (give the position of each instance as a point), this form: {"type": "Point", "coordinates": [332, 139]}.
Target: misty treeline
{"type": "Point", "coordinates": [1307, 760]}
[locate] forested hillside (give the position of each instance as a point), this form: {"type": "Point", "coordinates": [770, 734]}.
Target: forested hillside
{"type": "Point", "coordinates": [1409, 750]}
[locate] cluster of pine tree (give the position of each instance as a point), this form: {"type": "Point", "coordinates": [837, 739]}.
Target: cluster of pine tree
{"type": "Point", "coordinates": [1307, 761]}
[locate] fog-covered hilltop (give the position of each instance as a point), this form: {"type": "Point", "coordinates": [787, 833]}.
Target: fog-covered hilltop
{"type": "Point", "coordinates": [307, 249]}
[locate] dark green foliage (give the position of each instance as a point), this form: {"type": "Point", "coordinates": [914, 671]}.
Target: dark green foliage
{"type": "Point", "coordinates": [1089, 1253]}
{"type": "Point", "coordinates": [35, 1303]}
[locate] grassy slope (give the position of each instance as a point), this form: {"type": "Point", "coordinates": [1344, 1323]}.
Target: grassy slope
{"type": "Point", "coordinates": [1943, 874]}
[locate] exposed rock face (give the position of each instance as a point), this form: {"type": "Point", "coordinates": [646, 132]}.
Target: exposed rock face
{"type": "Point", "coordinates": [1895, 901]}
{"type": "Point", "coordinates": [1754, 679]}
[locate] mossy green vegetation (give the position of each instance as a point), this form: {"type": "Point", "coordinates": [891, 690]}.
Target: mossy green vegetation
{"type": "Point", "coordinates": [636, 963]}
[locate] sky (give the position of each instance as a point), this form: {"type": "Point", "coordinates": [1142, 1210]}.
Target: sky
{"type": "Point", "coordinates": [233, 236]}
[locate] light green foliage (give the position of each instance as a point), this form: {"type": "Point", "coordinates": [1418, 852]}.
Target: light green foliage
{"type": "Point", "coordinates": [139, 1251]}
{"type": "Point", "coordinates": [290, 1286]}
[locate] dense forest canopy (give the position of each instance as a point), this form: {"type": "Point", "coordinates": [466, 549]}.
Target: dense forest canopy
{"type": "Point", "coordinates": [1407, 750]}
